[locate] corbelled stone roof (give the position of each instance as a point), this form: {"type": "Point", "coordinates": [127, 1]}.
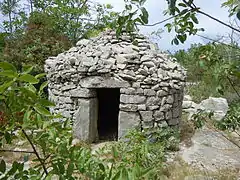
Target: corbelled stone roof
{"type": "Point", "coordinates": [130, 58]}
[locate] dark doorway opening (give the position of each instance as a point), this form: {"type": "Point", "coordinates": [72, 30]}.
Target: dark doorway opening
{"type": "Point", "coordinates": [108, 110]}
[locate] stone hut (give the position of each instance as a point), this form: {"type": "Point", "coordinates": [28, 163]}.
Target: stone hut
{"type": "Point", "coordinates": [108, 85]}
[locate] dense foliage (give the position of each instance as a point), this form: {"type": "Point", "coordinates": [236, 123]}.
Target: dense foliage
{"type": "Point", "coordinates": [48, 28]}
{"type": "Point", "coordinates": [214, 68]}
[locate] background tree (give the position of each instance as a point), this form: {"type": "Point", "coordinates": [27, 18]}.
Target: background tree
{"type": "Point", "coordinates": [50, 27]}
{"type": "Point", "coordinates": [39, 41]}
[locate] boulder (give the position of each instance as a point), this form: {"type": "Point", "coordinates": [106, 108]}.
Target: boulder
{"type": "Point", "coordinates": [219, 106]}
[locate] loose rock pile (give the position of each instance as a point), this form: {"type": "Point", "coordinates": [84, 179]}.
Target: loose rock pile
{"type": "Point", "coordinates": [151, 84]}
{"type": "Point", "coordinates": [219, 106]}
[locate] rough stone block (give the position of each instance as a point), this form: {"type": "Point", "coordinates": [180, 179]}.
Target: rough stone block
{"type": "Point", "coordinates": [152, 101]}
{"type": "Point", "coordinates": [158, 115]}
{"type": "Point", "coordinates": [147, 125]}
{"type": "Point", "coordinates": [151, 108]}
{"type": "Point", "coordinates": [102, 82]}
{"type": "Point", "coordinates": [82, 93]}
{"type": "Point", "coordinates": [170, 99]}
{"type": "Point", "coordinates": [142, 107]}
{"type": "Point", "coordinates": [129, 107]}
{"type": "Point", "coordinates": [149, 92]}
{"type": "Point", "coordinates": [127, 121]}
{"type": "Point", "coordinates": [162, 93]}
{"type": "Point", "coordinates": [169, 115]}
{"type": "Point", "coordinates": [146, 115]}
{"type": "Point", "coordinates": [85, 125]}
{"type": "Point", "coordinates": [132, 99]}
{"type": "Point", "coordinates": [173, 122]}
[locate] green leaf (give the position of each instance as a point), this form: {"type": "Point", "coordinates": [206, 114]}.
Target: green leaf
{"type": "Point", "coordinates": [101, 166]}
{"type": "Point", "coordinates": [195, 20]}
{"type": "Point", "coordinates": [27, 115]}
{"type": "Point", "coordinates": [169, 27]}
{"type": "Point", "coordinates": [201, 64]}
{"type": "Point", "coordinates": [238, 15]}
{"type": "Point", "coordinates": [9, 73]}
{"type": "Point", "coordinates": [43, 85]}
{"type": "Point", "coordinates": [220, 90]}
{"type": "Point", "coordinates": [144, 15]}
{"type": "Point", "coordinates": [31, 88]}
{"type": "Point", "coordinates": [114, 152]}
{"type": "Point", "coordinates": [14, 168]}
{"type": "Point", "coordinates": [5, 86]}
{"type": "Point", "coordinates": [27, 69]}
{"type": "Point", "coordinates": [41, 110]}
{"type": "Point", "coordinates": [8, 138]}
{"type": "Point", "coordinates": [28, 78]}
{"type": "Point", "coordinates": [46, 103]}
{"type": "Point", "coordinates": [183, 12]}
{"type": "Point", "coordinates": [7, 66]}
{"type": "Point", "coordinates": [40, 75]}
{"type": "Point", "coordinates": [61, 167]}
{"type": "Point", "coordinates": [117, 175]}
{"type": "Point", "coordinates": [124, 174]}
{"type": "Point", "coordinates": [182, 37]}
{"type": "Point", "coordinates": [182, 4]}
{"type": "Point", "coordinates": [175, 41]}
{"type": "Point", "coordinates": [70, 169]}
{"type": "Point", "coordinates": [2, 166]}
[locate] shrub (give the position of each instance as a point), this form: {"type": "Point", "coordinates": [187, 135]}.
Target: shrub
{"type": "Point", "coordinates": [214, 67]}
{"type": "Point", "coordinates": [232, 120]}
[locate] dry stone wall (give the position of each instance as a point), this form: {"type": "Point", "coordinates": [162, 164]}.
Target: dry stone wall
{"type": "Point", "coordinates": [151, 83]}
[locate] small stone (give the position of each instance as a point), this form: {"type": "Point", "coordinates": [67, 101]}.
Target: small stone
{"type": "Point", "coordinates": [121, 66]}
{"type": "Point", "coordinates": [168, 115]}
{"type": "Point", "coordinates": [170, 99]}
{"type": "Point", "coordinates": [129, 107]}
{"type": "Point", "coordinates": [165, 107]}
{"type": "Point", "coordinates": [131, 56]}
{"type": "Point", "coordinates": [132, 99]}
{"type": "Point", "coordinates": [161, 93]}
{"type": "Point", "coordinates": [187, 104]}
{"type": "Point", "coordinates": [83, 42]}
{"type": "Point", "coordinates": [156, 87]}
{"type": "Point", "coordinates": [148, 63]}
{"type": "Point", "coordinates": [147, 125]}
{"type": "Point", "coordinates": [142, 107]}
{"type": "Point", "coordinates": [164, 84]}
{"type": "Point", "coordinates": [149, 92]}
{"type": "Point", "coordinates": [136, 84]}
{"type": "Point", "coordinates": [151, 108]}
{"type": "Point", "coordinates": [147, 116]}
{"type": "Point", "coordinates": [146, 58]}
{"type": "Point", "coordinates": [68, 87]}
{"type": "Point", "coordinates": [176, 112]}
{"type": "Point", "coordinates": [121, 59]}
{"type": "Point", "coordinates": [159, 115]}
{"type": "Point", "coordinates": [128, 77]}
{"type": "Point", "coordinates": [173, 122]}
{"type": "Point", "coordinates": [127, 90]}
{"type": "Point", "coordinates": [162, 124]}
{"type": "Point", "coordinates": [151, 101]}
{"type": "Point", "coordinates": [140, 77]}
{"type": "Point", "coordinates": [143, 72]}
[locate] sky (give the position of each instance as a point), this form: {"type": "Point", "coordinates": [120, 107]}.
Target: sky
{"type": "Point", "coordinates": [155, 9]}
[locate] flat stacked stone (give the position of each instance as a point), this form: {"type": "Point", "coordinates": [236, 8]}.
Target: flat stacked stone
{"type": "Point", "coordinates": [151, 83]}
